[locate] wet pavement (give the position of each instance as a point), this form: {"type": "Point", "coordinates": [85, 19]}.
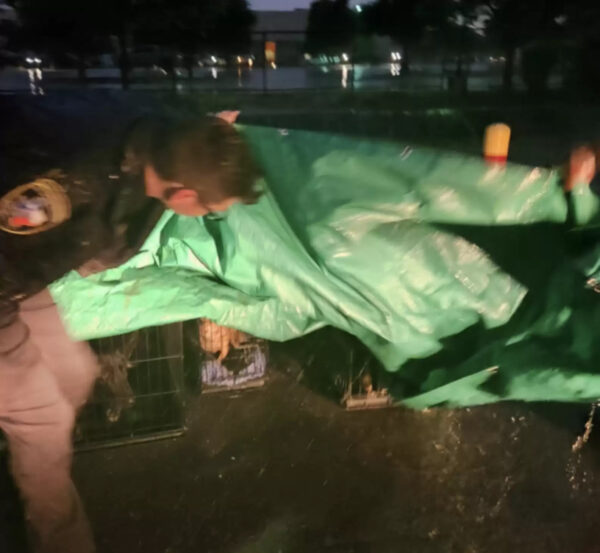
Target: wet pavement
{"type": "Point", "coordinates": [283, 469]}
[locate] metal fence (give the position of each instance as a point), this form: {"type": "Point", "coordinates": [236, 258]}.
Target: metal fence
{"type": "Point", "coordinates": [277, 60]}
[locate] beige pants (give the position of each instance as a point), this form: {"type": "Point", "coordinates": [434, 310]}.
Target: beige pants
{"type": "Point", "coordinates": [44, 379]}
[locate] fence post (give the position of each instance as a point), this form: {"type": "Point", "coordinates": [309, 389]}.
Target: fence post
{"type": "Point", "coordinates": [264, 76]}
{"type": "Point", "coordinates": [352, 52]}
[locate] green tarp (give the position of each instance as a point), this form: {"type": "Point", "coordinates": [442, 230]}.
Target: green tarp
{"type": "Point", "coordinates": [358, 235]}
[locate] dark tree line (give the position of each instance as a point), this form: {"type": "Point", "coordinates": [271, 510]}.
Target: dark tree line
{"type": "Point", "coordinates": [539, 28]}
{"type": "Point", "coordinates": [83, 29]}
{"type": "Point", "coordinates": [542, 30]}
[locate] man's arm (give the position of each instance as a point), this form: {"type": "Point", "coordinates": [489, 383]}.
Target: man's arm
{"type": "Point", "coordinates": [16, 346]}
{"type": "Point", "coordinates": [13, 332]}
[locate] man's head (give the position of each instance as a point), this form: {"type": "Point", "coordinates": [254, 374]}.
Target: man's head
{"type": "Point", "coordinates": [195, 166]}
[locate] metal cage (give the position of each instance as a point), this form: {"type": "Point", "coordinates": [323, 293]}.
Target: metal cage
{"type": "Point", "coordinates": [140, 393]}
{"type": "Point", "coordinates": [224, 359]}
{"type": "Point", "coordinates": [245, 367]}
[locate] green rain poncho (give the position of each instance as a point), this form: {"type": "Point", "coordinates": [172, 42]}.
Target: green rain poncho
{"type": "Point", "coordinates": [359, 235]}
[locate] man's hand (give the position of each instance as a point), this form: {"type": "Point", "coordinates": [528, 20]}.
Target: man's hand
{"type": "Point", "coordinates": [228, 116]}
{"type": "Point", "coordinates": [580, 168]}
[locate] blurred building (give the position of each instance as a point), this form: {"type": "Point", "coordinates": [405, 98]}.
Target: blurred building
{"type": "Point", "coordinates": [285, 31]}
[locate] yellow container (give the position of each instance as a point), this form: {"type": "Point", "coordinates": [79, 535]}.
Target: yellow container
{"type": "Point", "coordinates": [496, 142]}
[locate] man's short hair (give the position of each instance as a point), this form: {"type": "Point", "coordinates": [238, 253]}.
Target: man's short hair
{"type": "Point", "coordinates": [205, 154]}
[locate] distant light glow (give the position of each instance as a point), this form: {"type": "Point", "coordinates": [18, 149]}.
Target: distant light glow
{"type": "Point", "coordinates": [560, 19]}
{"type": "Point", "coordinates": [345, 57]}
{"type": "Point", "coordinates": [35, 80]}
{"type": "Point", "coordinates": [213, 59]}
{"type": "Point", "coordinates": [358, 8]}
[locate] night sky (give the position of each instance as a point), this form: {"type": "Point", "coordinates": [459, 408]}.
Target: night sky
{"type": "Point", "coordinates": [288, 4]}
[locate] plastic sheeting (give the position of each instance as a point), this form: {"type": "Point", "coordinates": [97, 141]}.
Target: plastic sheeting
{"type": "Point", "coordinates": [354, 234]}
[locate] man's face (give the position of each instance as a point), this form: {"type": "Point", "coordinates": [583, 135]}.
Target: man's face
{"type": "Point", "coordinates": [181, 200]}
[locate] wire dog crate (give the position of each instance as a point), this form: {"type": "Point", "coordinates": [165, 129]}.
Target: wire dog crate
{"type": "Point", "coordinates": [224, 359]}
{"type": "Point", "coordinates": [244, 368]}
{"type": "Point", "coordinates": [139, 395]}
